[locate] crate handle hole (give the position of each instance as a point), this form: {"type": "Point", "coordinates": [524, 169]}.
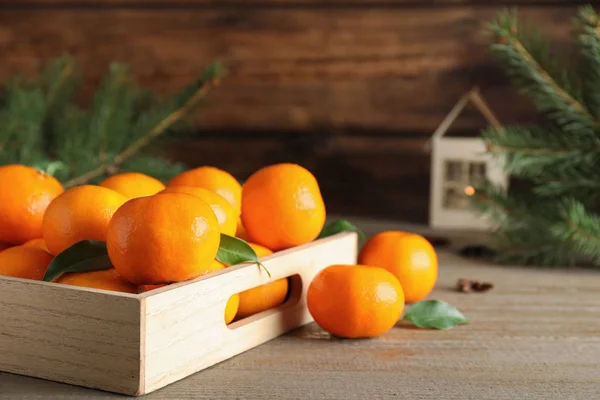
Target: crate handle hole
{"type": "Point", "coordinates": [252, 301]}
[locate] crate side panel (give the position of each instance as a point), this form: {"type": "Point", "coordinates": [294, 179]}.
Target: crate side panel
{"type": "Point", "coordinates": [185, 328]}
{"type": "Point", "coordinates": [85, 338]}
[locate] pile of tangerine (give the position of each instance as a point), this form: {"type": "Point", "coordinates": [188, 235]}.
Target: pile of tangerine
{"type": "Point", "coordinates": [160, 234]}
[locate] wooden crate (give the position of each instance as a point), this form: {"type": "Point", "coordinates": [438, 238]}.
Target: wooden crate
{"type": "Point", "coordinates": [136, 344]}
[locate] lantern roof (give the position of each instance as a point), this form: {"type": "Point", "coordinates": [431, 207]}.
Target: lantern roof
{"type": "Point", "coordinates": [474, 97]}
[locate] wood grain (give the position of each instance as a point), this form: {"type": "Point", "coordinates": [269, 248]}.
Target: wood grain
{"type": "Point", "coordinates": [323, 69]}
{"type": "Point", "coordinates": [79, 336]}
{"type": "Point", "coordinates": [535, 336]}
{"type": "Point", "coordinates": [185, 331]}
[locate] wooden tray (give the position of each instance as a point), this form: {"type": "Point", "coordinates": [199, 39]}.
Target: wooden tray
{"type": "Point", "coordinates": [136, 344]}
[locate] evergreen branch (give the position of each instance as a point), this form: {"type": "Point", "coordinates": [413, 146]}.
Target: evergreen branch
{"type": "Point", "coordinates": [587, 189]}
{"type": "Point", "coordinates": [550, 219]}
{"type": "Point", "coordinates": [185, 102]}
{"type": "Point", "coordinates": [543, 151]}
{"type": "Point", "coordinates": [60, 77]}
{"type": "Point", "coordinates": [21, 125]}
{"type": "Point", "coordinates": [114, 108]}
{"type": "Point", "coordinates": [532, 247]}
{"type": "Point", "coordinates": [508, 209]}
{"type": "Point", "coordinates": [580, 228]}
{"type": "Point", "coordinates": [532, 79]}
{"type": "Point", "coordinates": [589, 43]}
{"type": "Point", "coordinates": [521, 234]}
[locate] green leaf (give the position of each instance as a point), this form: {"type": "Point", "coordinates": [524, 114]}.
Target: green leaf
{"type": "Point", "coordinates": [338, 226]}
{"type": "Point", "coordinates": [234, 251]}
{"type": "Point", "coordinates": [84, 256]}
{"type": "Point", "coordinates": [434, 314]}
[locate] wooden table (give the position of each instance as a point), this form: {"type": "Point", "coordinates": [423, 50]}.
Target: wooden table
{"type": "Point", "coordinates": [536, 335]}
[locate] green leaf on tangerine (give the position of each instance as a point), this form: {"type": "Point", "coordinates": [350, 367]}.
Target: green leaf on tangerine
{"type": "Point", "coordinates": [338, 226]}
{"type": "Point", "coordinates": [434, 314]}
{"type": "Point", "coordinates": [234, 251]}
{"type": "Point", "coordinates": [84, 256]}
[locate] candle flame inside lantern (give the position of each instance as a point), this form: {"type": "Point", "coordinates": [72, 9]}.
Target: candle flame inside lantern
{"type": "Point", "coordinates": [469, 190]}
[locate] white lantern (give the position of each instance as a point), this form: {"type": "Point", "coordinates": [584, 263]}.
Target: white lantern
{"type": "Point", "coordinates": [458, 164]}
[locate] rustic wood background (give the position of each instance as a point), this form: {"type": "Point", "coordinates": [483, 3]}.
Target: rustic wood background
{"type": "Point", "coordinates": [351, 89]}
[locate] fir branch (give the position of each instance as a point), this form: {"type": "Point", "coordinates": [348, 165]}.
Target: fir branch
{"type": "Point", "coordinates": [532, 79]}
{"type": "Point", "coordinates": [586, 188]}
{"type": "Point", "coordinates": [520, 233]}
{"type": "Point", "coordinates": [589, 43]}
{"type": "Point", "coordinates": [60, 78]}
{"type": "Point", "coordinates": [528, 247]}
{"type": "Point", "coordinates": [187, 101]}
{"type": "Point", "coordinates": [543, 151]}
{"type": "Point", "coordinates": [580, 228]}
{"type": "Point", "coordinates": [114, 108]}
{"type": "Point", "coordinates": [21, 125]}
{"type": "Point", "coordinates": [550, 219]}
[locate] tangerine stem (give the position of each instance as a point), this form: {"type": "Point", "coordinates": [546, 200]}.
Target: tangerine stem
{"type": "Point", "coordinates": [265, 268]}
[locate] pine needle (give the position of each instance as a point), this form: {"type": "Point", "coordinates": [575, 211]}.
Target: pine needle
{"type": "Point", "coordinates": [42, 125]}
{"type": "Point", "coordinates": [549, 217]}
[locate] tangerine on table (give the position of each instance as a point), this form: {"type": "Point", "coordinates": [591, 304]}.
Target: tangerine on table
{"type": "Point", "coordinates": [225, 214]}
{"type": "Point", "coordinates": [25, 193]}
{"type": "Point", "coordinates": [133, 184]}
{"type": "Point", "coordinates": [108, 279]}
{"type": "Point", "coordinates": [214, 179]}
{"type": "Point", "coordinates": [355, 301]}
{"type": "Point", "coordinates": [263, 297]}
{"type": "Point", "coordinates": [80, 213]}
{"type": "Point", "coordinates": [282, 206]}
{"type": "Point", "coordinates": [410, 257]}
{"type": "Point", "coordinates": [24, 262]}
{"type": "Point", "coordinates": [165, 238]}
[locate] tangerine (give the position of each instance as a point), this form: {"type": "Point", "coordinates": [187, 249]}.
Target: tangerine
{"type": "Point", "coordinates": [225, 214]}
{"type": "Point", "coordinates": [108, 279]}
{"type": "Point", "coordinates": [165, 238]}
{"type": "Point", "coordinates": [263, 297]}
{"type": "Point", "coordinates": [4, 246]}
{"type": "Point", "coordinates": [214, 179]}
{"type": "Point", "coordinates": [410, 257]}
{"type": "Point", "coordinates": [241, 233]}
{"type": "Point", "coordinates": [148, 288]}
{"type": "Point", "coordinates": [78, 214]}
{"type": "Point", "coordinates": [282, 206]}
{"type": "Point", "coordinates": [24, 262]}
{"type": "Point", "coordinates": [233, 302]}
{"type": "Point", "coordinates": [355, 301]}
{"type": "Point", "coordinates": [39, 243]}
{"type": "Point", "coordinates": [25, 194]}
{"type": "Point", "coordinates": [133, 184]}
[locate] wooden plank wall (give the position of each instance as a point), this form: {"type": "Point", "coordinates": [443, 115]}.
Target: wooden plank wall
{"type": "Point", "coordinates": [351, 89]}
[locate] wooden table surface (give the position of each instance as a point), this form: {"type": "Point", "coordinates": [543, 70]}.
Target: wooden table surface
{"type": "Point", "coordinates": [536, 335]}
